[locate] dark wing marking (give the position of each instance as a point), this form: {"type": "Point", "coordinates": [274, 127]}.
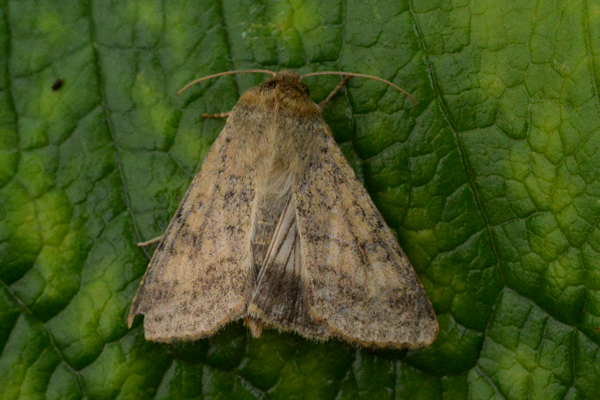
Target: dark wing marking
{"type": "Point", "coordinates": [279, 298]}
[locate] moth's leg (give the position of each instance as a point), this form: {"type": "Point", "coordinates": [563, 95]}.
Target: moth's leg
{"type": "Point", "coordinates": [255, 325]}
{"type": "Point", "coordinates": [156, 239]}
{"type": "Point", "coordinates": [221, 115]}
{"type": "Point", "coordinates": [323, 104]}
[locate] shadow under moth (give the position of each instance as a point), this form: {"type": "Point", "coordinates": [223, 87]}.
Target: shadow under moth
{"type": "Point", "coordinates": [276, 229]}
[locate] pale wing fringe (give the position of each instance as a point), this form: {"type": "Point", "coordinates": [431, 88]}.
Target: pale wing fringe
{"type": "Point", "coordinates": [357, 278]}
{"type": "Point", "coordinates": [205, 252]}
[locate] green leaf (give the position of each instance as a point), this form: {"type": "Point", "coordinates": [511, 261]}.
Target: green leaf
{"type": "Point", "coordinates": [491, 185]}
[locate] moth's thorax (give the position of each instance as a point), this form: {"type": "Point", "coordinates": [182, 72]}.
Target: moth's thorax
{"type": "Point", "coordinates": [277, 122]}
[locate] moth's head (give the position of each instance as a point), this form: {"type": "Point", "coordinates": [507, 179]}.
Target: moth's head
{"type": "Point", "coordinates": [287, 83]}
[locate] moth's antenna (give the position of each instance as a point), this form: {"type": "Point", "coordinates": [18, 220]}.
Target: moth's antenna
{"type": "Point", "coordinates": [362, 76]}
{"type": "Point", "coordinates": [245, 71]}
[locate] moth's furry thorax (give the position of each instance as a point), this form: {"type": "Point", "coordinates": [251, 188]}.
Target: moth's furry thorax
{"type": "Point", "coordinates": [280, 124]}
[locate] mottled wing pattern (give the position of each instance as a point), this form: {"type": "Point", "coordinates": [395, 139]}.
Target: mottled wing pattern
{"type": "Point", "coordinates": [199, 278]}
{"type": "Point", "coordinates": [359, 281]}
{"type": "Point", "coordinates": [279, 298]}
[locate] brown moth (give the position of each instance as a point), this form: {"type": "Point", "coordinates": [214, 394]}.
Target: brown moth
{"type": "Point", "coordinates": [276, 229]}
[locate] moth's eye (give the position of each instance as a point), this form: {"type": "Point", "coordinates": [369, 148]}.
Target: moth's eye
{"type": "Point", "coordinates": [271, 85]}
{"type": "Point", "coordinates": [306, 89]}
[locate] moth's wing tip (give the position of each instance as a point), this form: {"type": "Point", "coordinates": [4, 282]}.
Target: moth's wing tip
{"type": "Point", "coordinates": [130, 318]}
{"type": "Point", "coordinates": [433, 329]}
{"type": "Point", "coordinates": [428, 341]}
{"type": "Point", "coordinates": [427, 329]}
{"type": "Point", "coordinates": [434, 321]}
{"type": "Point", "coordinates": [132, 313]}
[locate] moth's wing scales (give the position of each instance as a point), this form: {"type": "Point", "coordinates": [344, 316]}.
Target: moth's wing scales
{"type": "Point", "coordinates": [279, 298]}
{"type": "Point", "coordinates": [199, 276]}
{"type": "Point", "coordinates": [358, 279]}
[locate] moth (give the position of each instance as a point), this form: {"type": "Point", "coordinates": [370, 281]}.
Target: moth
{"type": "Point", "coordinates": [277, 229]}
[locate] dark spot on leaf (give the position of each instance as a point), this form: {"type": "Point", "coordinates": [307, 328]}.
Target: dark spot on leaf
{"type": "Point", "coordinates": [57, 84]}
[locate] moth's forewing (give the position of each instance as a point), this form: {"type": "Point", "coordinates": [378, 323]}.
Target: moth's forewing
{"type": "Point", "coordinates": [358, 279]}
{"type": "Point", "coordinates": [197, 280]}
